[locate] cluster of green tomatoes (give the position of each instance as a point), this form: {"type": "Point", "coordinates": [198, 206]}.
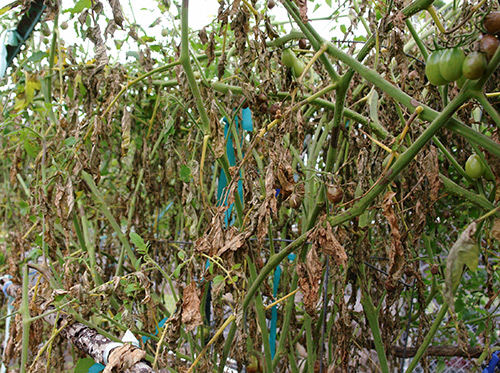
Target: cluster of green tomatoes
{"type": "Point", "coordinates": [449, 65]}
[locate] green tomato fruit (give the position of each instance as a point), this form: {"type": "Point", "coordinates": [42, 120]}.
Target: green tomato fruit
{"type": "Point", "coordinates": [298, 67]}
{"type": "Point", "coordinates": [288, 57]}
{"type": "Point", "coordinates": [474, 65]}
{"type": "Point", "coordinates": [450, 64]}
{"type": "Point", "coordinates": [474, 166]}
{"type": "Point", "coordinates": [164, 32]}
{"type": "Point", "coordinates": [432, 70]}
{"type": "Point", "coordinates": [64, 25]}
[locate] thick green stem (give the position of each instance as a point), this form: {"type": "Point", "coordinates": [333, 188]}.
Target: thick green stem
{"type": "Point", "coordinates": [186, 64]}
{"type": "Point", "coordinates": [428, 338]}
{"type": "Point", "coordinates": [261, 317]}
{"type": "Point", "coordinates": [371, 313]}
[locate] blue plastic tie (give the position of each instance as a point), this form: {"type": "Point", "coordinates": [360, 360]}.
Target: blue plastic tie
{"type": "Point", "coordinates": [490, 368]}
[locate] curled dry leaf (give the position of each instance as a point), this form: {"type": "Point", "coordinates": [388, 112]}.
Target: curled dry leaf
{"type": "Point", "coordinates": [309, 279]}
{"type": "Point", "coordinates": [191, 315]}
{"type": "Point", "coordinates": [124, 357]}
{"type": "Point", "coordinates": [396, 254]}
{"type": "Point", "coordinates": [326, 241]}
{"type": "Point", "coordinates": [126, 126]}
{"type": "Point", "coordinates": [431, 169]}
{"type": "Point", "coordinates": [464, 252]}
{"type": "Point", "coordinates": [118, 16]}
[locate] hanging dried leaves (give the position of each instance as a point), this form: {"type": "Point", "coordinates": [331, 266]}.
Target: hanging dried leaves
{"type": "Point", "coordinates": [118, 16]}
{"type": "Point", "coordinates": [324, 239]}
{"type": "Point", "coordinates": [191, 315]}
{"type": "Point", "coordinates": [431, 168]}
{"type": "Point", "coordinates": [126, 126]}
{"type": "Point", "coordinates": [309, 280]}
{"type": "Point", "coordinates": [464, 252]}
{"type": "Point", "coordinates": [396, 254]}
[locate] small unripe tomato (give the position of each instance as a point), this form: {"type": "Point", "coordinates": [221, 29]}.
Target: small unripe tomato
{"type": "Point", "coordinates": [489, 45]}
{"type": "Point", "coordinates": [432, 70]}
{"type": "Point", "coordinates": [298, 68]}
{"type": "Point", "coordinates": [492, 22]}
{"type": "Point", "coordinates": [64, 25]}
{"type": "Point", "coordinates": [474, 166]}
{"type": "Point", "coordinates": [450, 64]}
{"type": "Point", "coordinates": [164, 32]}
{"type": "Point", "coordinates": [271, 4]}
{"type": "Point", "coordinates": [474, 65]}
{"type": "Point", "coordinates": [288, 57]}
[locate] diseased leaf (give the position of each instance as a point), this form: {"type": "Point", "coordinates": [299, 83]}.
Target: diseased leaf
{"type": "Point", "coordinates": [396, 254]}
{"type": "Point", "coordinates": [118, 16]}
{"type": "Point", "coordinates": [309, 279]}
{"type": "Point", "coordinates": [126, 126]}
{"type": "Point", "coordinates": [325, 240]}
{"type": "Point", "coordinates": [191, 315]}
{"type": "Point", "coordinates": [431, 169]}
{"type": "Point", "coordinates": [464, 252]}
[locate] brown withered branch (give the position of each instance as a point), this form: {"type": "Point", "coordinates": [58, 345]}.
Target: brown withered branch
{"type": "Point", "coordinates": [122, 357]}
{"type": "Point", "coordinates": [445, 351]}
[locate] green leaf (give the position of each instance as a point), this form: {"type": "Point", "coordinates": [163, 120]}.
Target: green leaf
{"type": "Point", "coordinates": [31, 148]}
{"type": "Point", "coordinates": [70, 141]}
{"type": "Point", "coordinates": [218, 279]}
{"type": "Point", "coordinates": [181, 255]}
{"type": "Point", "coordinates": [464, 252]}
{"type": "Point", "coordinates": [83, 365]}
{"type": "Point", "coordinates": [236, 267]}
{"type": "Point", "coordinates": [138, 241]}
{"type": "Point", "coordinates": [79, 7]}
{"type": "Point", "coordinates": [343, 29]}
{"type": "Point", "coordinates": [185, 173]}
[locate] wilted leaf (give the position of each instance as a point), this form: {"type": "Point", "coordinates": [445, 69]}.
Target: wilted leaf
{"type": "Point", "coordinates": [117, 12]}
{"type": "Point", "coordinates": [309, 278]}
{"type": "Point", "coordinates": [464, 252]}
{"type": "Point", "coordinates": [233, 241]}
{"type": "Point", "coordinates": [431, 169]}
{"type": "Point", "coordinates": [123, 357]}
{"type": "Point", "coordinates": [396, 254]}
{"type": "Point", "coordinates": [191, 315]}
{"type": "Point", "coordinates": [126, 126]}
{"type": "Point", "coordinates": [495, 230]}
{"type": "Point", "coordinates": [326, 241]}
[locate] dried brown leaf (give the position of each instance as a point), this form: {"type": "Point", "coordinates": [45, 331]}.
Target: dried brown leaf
{"type": "Point", "coordinates": [309, 279]}
{"type": "Point", "coordinates": [123, 357]}
{"type": "Point", "coordinates": [396, 254]}
{"type": "Point", "coordinates": [326, 241]}
{"type": "Point", "coordinates": [191, 315]}
{"type": "Point", "coordinates": [303, 10]}
{"type": "Point", "coordinates": [495, 230]}
{"type": "Point", "coordinates": [233, 241]}
{"type": "Point", "coordinates": [431, 169]}
{"type": "Point", "coordinates": [118, 16]}
{"type": "Point", "coordinates": [126, 126]}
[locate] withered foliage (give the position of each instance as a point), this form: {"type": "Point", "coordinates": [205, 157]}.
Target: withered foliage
{"type": "Point", "coordinates": [209, 205]}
